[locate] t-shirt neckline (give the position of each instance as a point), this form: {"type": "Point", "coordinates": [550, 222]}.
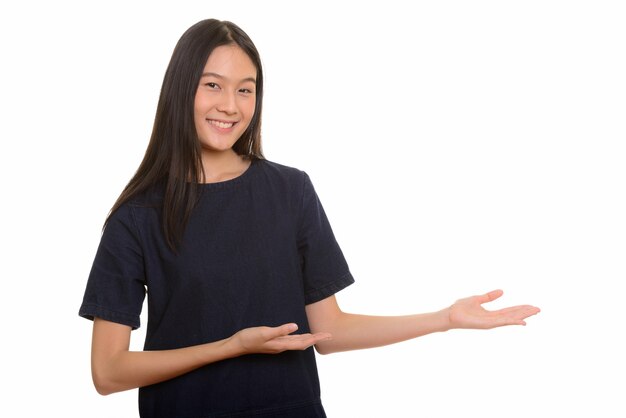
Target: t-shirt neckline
{"type": "Point", "coordinates": [226, 184]}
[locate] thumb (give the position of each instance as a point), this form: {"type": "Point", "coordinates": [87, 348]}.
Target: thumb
{"type": "Point", "coordinates": [282, 330]}
{"type": "Point", "coordinates": [490, 297]}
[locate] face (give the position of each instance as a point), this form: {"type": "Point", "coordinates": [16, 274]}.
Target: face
{"type": "Point", "coordinates": [225, 99]}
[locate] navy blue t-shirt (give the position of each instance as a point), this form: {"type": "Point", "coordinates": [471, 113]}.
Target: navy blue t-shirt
{"type": "Point", "coordinates": [256, 250]}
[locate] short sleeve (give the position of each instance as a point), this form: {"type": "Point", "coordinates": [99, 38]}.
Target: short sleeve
{"type": "Point", "coordinates": [116, 286]}
{"type": "Point", "coordinates": [324, 267]}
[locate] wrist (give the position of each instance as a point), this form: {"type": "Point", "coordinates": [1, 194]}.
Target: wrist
{"type": "Point", "coordinates": [222, 350]}
{"type": "Point", "coordinates": [232, 347]}
{"type": "Point", "coordinates": [444, 321]}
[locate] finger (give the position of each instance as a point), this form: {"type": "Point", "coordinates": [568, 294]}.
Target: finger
{"type": "Point", "coordinates": [320, 336]}
{"type": "Point", "coordinates": [280, 331]}
{"type": "Point", "coordinates": [515, 315]}
{"type": "Point", "coordinates": [300, 341]}
{"type": "Point", "coordinates": [520, 308]}
{"type": "Point", "coordinates": [323, 336]}
{"type": "Point", "coordinates": [490, 297]}
{"type": "Point", "coordinates": [526, 311]}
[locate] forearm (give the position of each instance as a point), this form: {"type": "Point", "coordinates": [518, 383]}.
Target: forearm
{"type": "Point", "coordinates": [115, 368]}
{"type": "Point", "coordinates": [132, 369]}
{"type": "Point", "coordinates": [353, 332]}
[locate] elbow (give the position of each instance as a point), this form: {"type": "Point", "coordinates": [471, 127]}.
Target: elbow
{"type": "Point", "coordinates": [324, 348]}
{"type": "Point", "coordinates": [104, 385]}
{"type": "Point", "coordinates": [103, 390]}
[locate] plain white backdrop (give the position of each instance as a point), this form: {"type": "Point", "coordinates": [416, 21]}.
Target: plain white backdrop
{"type": "Point", "coordinates": [457, 147]}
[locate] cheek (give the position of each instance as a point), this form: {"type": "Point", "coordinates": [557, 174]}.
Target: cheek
{"type": "Point", "coordinates": [249, 109]}
{"type": "Point", "coordinates": [197, 105]}
{"type": "Point", "coordinates": [198, 109]}
{"type": "Point", "coordinates": [197, 117]}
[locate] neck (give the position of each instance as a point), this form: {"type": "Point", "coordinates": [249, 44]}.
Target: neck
{"type": "Point", "coordinates": [222, 165]}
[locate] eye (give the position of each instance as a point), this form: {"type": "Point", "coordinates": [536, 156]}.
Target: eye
{"type": "Point", "coordinates": [245, 91]}
{"type": "Point", "coordinates": [212, 85]}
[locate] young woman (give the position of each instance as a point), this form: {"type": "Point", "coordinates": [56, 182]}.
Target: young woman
{"type": "Point", "coordinates": [236, 255]}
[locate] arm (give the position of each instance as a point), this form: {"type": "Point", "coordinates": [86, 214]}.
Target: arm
{"type": "Point", "coordinates": [352, 332]}
{"type": "Point", "coordinates": [114, 368]}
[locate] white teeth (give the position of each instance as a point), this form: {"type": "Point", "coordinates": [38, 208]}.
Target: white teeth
{"type": "Point", "coordinates": [223, 125]}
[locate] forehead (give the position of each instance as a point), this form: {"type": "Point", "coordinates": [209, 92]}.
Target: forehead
{"type": "Point", "coordinates": [230, 61]}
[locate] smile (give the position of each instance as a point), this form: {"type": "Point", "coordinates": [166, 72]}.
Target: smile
{"type": "Point", "coordinates": [220, 124]}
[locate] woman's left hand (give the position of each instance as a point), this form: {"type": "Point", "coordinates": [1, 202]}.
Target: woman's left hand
{"type": "Point", "coordinates": [469, 313]}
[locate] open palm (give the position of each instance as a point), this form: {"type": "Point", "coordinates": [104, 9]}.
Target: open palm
{"type": "Point", "coordinates": [469, 313]}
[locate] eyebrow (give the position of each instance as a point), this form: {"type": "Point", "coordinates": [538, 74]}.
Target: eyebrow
{"type": "Point", "coordinates": [216, 75]}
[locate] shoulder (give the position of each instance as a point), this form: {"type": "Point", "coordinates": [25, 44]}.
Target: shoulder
{"type": "Point", "coordinates": [281, 170]}
{"type": "Point", "coordinates": [282, 174]}
{"type": "Point", "coordinates": [285, 182]}
{"type": "Point", "coordinates": [133, 211]}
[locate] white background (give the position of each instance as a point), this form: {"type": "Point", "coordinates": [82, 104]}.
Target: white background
{"type": "Point", "coordinates": [457, 146]}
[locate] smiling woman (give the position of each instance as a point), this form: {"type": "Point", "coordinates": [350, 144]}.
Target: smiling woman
{"type": "Point", "coordinates": [235, 253]}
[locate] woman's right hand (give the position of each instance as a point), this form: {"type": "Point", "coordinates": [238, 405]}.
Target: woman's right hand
{"type": "Point", "coordinates": [115, 368]}
{"type": "Point", "coordinates": [274, 340]}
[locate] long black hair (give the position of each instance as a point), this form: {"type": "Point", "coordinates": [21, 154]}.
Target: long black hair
{"type": "Point", "coordinates": [173, 157]}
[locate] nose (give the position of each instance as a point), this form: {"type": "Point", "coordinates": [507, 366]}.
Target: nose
{"type": "Point", "coordinates": [227, 104]}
